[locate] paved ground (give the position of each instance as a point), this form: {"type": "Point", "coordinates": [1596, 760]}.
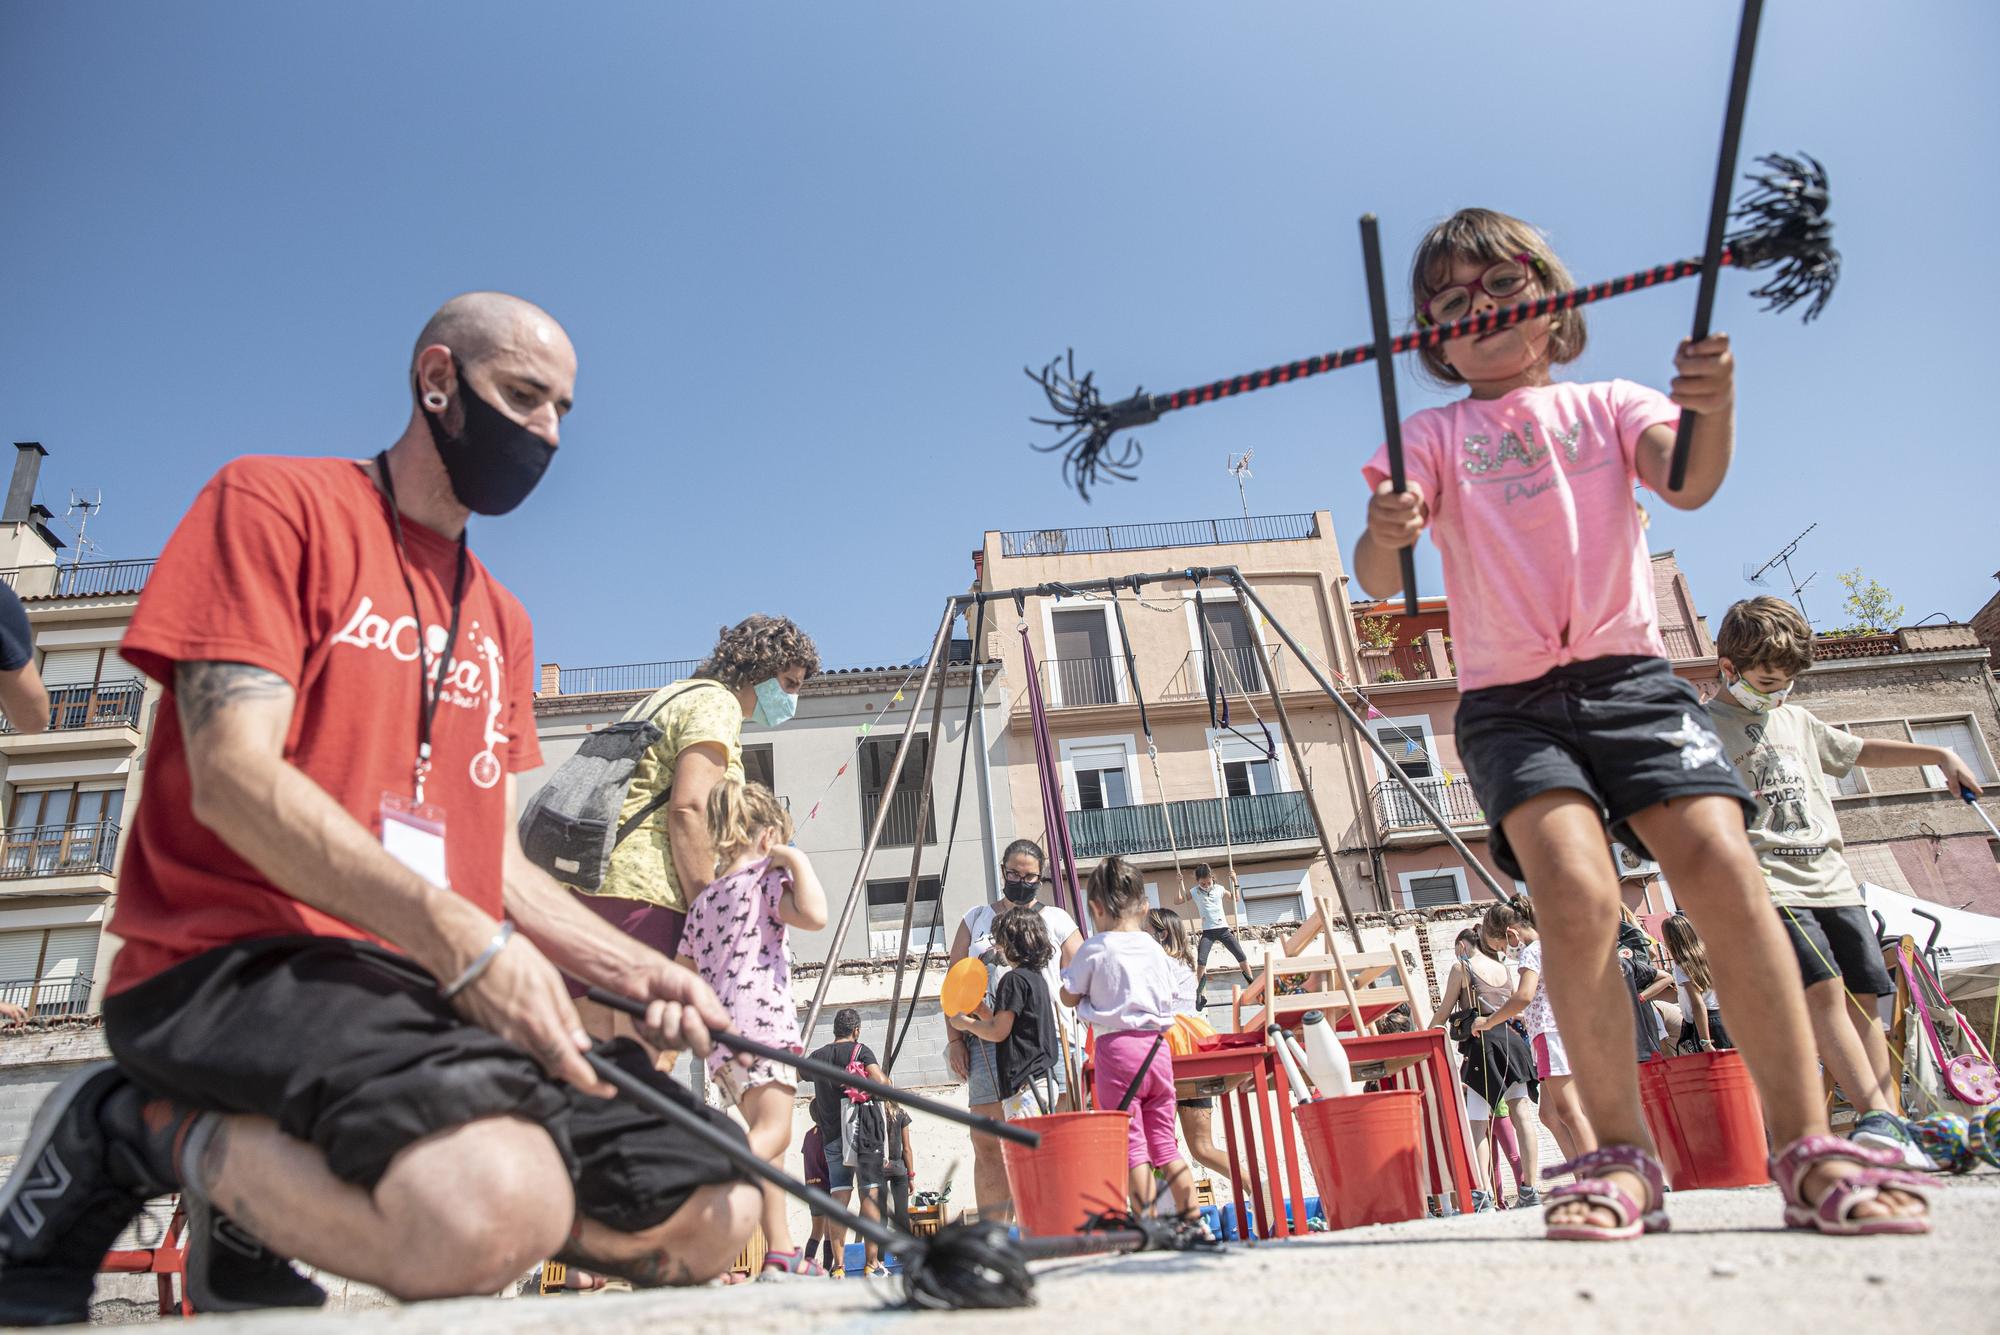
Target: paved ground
{"type": "Point", "coordinates": [1725, 1268]}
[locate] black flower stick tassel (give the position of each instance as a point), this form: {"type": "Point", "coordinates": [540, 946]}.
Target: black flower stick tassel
{"type": "Point", "coordinates": [1786, 229]}
{"type": "Point", "coordinates": [1385, 367]}
{"type": "Point", "coordinates": [1718, 215]}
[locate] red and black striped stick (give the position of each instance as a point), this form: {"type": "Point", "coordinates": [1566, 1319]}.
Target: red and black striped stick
{"type": "Point", "coordinates": [1789, 230]}
{"type": "Point", "coordinates": [1385, 366]}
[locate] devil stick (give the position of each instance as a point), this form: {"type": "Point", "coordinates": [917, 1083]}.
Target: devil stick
{"type": "Point", "coordinates": [1787, 228]}
{"type": "Point", "coordinates": [1385, 369]}
{"type": "Point", "coordinates": [1718, 214]}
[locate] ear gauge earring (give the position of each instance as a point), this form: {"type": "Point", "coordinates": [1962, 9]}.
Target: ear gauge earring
{"type": "Point", "coordinates": [435, 400]}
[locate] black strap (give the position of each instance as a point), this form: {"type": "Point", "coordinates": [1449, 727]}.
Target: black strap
{"type": "Point", "coordinates": [427, 703]}
{"type": "Point", "coordinates": [661, 798]}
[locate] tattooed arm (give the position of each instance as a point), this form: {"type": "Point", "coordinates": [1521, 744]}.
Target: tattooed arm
{"type": "Point", "coordinates": [234, 718]}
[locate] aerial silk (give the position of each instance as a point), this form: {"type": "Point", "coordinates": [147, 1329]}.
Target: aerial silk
{"type": "Point", "coordinates": [1055, 820]}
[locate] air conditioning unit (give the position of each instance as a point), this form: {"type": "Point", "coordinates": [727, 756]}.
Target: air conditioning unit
{"type": "Point", "coordinates": [1630, 865]}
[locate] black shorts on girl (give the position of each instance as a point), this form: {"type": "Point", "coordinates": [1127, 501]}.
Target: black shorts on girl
{"type": "Point", "coordinates": [1624, 731]}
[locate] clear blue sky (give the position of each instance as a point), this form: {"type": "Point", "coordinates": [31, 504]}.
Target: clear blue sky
{"type": "Point", "coordinates": [805, 250]}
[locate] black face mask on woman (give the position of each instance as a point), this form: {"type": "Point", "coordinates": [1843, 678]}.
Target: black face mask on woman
{"type": "Point", "coordinates": [493, 462]}
{"type": "Point", "coordinates": [1019, 892]}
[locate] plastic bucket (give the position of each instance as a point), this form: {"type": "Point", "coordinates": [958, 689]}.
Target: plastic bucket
{"type": "Point", "coordinates": [1076, 1172]}
{"type": "Point", "coordinates": [1364, 1156]}
{"type": "Point", "coordinates": [1705, 1116]}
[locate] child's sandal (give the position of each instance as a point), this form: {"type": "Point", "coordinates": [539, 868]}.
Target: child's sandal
{"type": "Point", "coordinates": [1833, 1214]}
{"type": "Point", "coordinates": [1634, 1217]}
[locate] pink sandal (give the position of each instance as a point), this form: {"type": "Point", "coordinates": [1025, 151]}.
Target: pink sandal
{"type": "Point", "coordinates": [1633, 1218]}
{"type": "Point", "coordinates": [1834, 1215]}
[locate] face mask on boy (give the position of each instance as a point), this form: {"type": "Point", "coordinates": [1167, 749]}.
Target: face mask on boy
{"type": "Point", "coordinates": [1756, 701]}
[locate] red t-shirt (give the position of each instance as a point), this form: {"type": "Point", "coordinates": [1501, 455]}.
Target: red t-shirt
{"type": "Point", "coordinates": [290, 565]}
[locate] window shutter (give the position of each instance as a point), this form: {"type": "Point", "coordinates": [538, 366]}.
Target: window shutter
{"type": "Point", "coordinates": [69, 667]}
{"type": "Point", "coordinates": [1957, 735]}
{"type": "Point", "coordinates": [72, 953]}
{"type": "Point", "coordinates": [19, 954]}
{"type": "Point", "coordinates": [1429, 892]}
{"type": "Point", "coordinates": [116, 669]}
{"type": "Point", "coordinates": [1265, 910]}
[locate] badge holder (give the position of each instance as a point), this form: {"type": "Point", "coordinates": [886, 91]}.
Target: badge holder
{"type": "Point", "coordinates": [413, 834]}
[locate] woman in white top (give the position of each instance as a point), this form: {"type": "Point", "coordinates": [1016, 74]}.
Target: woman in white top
{"type": "Point", "coordinates": [1701, 1018]}
{"type": "Point", "coordinates": [973, 1059]}
{"type": "Point", "coordinates": [1512, 926]}
{"type": "Point", "coordinates": [1496, 1065]}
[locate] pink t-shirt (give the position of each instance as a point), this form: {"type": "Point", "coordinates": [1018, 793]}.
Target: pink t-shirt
{"type": "Point", "coordinates": [1531, 506]}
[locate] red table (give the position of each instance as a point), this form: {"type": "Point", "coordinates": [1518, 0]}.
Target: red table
{"type": "Point", "coordinates": [1244, 1073]}
{"type": "Point", "coordinates": [1421, 1059]}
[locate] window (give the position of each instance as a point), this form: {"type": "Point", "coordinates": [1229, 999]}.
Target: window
{"type": "Point", "coordinates": [1959, 736]}
{"type": "Point", "coordinates": [900, 829]}
{"type": "Point", "coordinates": [86, 667]}
{"type": "Point", "coordinates": [1101, 773]}
{"type": "Point", "coordinates": [760, 765]}
{"type": "Point", "coordinates": [1246, 771]}
{"type": "Point", "coordinates": [56, 830]}
{"type": "Point", "coordinates": [1431, 889]}
{"type": "Point", "coordinates": [885, 916]}
{"type": "Point", "coordinates": [1408, 742]}
{"type": "Point", "coordinates": [1084, 667]}
{"type": "Point", "coordinates": [1238, 656]}
{"type": "Point", "coordinates": [49, 971]}
{"type": "Point", "coordinates": [1273, 897]}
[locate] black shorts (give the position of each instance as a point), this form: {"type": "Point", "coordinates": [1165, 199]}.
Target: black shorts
{"type": "Point", "coordinates": [348, 1046]}
{"type": "Point", "coordinates": [1626, 732]}
{"type": "Point", "coordinates": [1837, 943]}
{"type": "Point", "coordinates": [1211, 937]}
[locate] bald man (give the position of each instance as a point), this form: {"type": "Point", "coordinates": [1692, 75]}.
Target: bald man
{"type": "Point", "coordinates": [338, 1024]}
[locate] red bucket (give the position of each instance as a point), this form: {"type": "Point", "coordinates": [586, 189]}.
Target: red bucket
{"type": "Point", "coordinates": [1706, 1120]}
{"type": "Point", "coordinates": [1364, 1156]}
{"type": "Point", "coordinates": [1077, 1171]}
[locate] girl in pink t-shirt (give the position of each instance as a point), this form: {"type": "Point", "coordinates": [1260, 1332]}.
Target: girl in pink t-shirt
{"type": "Point", "coordinates": [1572, 719]}
{"type": "Point", "coordinates": [735, 938]}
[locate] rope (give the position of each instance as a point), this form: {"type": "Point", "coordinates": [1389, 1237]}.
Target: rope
{"type": "Point", "coordinates": [1152, 751]}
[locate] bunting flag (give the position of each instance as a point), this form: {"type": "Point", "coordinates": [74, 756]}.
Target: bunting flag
{"type": "Point", "coordinates": [896, 699]}
{"type": "Point", "coordinates": [1373, 712]}
{"type": "Point", "coordinates": [842, 770]}
{"type": "Point", "coordinates": [1409, 746]}
{"type": "Point", "coordinates": [865, 728]}
{"type": "Point", "coordinates": [810, 815]}
{"type": "Point", "coordinates": [1447, 778]}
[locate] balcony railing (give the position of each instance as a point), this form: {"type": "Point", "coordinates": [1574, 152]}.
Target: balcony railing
{"type": "Point", "coordinates": [625, 676]}
{"type": "Point", "coordinates": [1395, 809]}
{"type": "Point", "coordinates": [58, 850]}
{"type": "Point", "coordinates": [45, 997]}
{"type": "Point", "coordinates": [1681, 642]}
{"type": "Point", "coordinates": [1141, 537]}
{"type": "Point", "coordinates": [1239, 670]}
{"type": "Point", "coordinates": [900, 830]}
{"type": "Point", "coordinates": [106, 704]}
{"type": "Point", "coordinates": [1263, 818]}
{"type": "Point", "coordinates": [1069, 683]}
{"type": "Point", "coordinates": [89, 579]}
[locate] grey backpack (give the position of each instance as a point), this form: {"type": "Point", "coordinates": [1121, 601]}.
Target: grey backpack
{"type": "Point", "coordinates": [571, 826]}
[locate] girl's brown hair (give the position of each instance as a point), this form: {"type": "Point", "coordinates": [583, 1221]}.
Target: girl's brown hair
{"type": "Point", "coordinates": [738, 812]}
{"type": "Point", "coordinates": [1022, 936]}
{"type": "Point", "coordinates": [1514, 913]}
{"type": "Point", "coordinates": [1485, 236]}
{"type": "Point", "coordinates": [1115, 889]}
{"type": "Point", "coordinates": [1171, 932]}
{"type": "Point", "coordinates": [1688, 952]}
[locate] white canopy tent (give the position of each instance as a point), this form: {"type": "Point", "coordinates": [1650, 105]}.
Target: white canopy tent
{"type": "Point", "coordinates": [1968, 945]}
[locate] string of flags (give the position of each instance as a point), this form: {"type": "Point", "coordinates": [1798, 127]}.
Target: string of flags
{"type": "Point", "coordinates": [860, 736]}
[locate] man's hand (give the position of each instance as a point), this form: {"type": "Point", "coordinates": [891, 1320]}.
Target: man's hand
{"type": "Point", "coordinates": [521, 998]}
{"type": "Point", "coordinates": [681, 1010]}
{"type": "Point", "coordinates": [1396, 518]}
{"type": "Point", "coordinates": [1705, 376]}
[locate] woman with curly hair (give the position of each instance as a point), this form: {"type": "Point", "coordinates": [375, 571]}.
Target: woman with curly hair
{"type": "Point", "coordinates": [755, 671]}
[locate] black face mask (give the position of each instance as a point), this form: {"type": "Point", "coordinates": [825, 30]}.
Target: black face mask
{"type": "Point", "coordinates": [1018, 892]}
{"type": "Point", "coordinates": [493, 462]}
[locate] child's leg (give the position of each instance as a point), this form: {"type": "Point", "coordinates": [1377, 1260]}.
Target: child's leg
{"type": "Point", "coordinates": [1520, 1144]}
{"type": "Point", "coordinates": [1702, 849]}
{"type": "Point", "coordinates": [1155, 1108]}
{"type": "Point", "coordinates": [1841, 1047]}
{"type": "Point", "coordinates": [1482, 1175]}
{"type": "Point", "coordinates": [1562, 1112]}
{"type": "Point", "coordinates": [1864, 1016]}
{"type": "Point", "coordinates": [768, 1111]}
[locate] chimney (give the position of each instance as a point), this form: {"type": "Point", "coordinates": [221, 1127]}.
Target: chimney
{"type": "Point", "coordinates": [21, 491]}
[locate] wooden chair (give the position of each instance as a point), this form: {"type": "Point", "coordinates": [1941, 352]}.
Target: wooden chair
{"type": "Point", "coordinates": [1352, 989]}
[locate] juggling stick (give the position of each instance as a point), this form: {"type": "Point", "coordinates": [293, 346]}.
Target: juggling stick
{"type": "Point", "coordinates": [1385, 368]}
{"type": "Point", "coordinates": [1973, 802]}
{"type": "Point", "coordinates": [1718, 214]}
{"type": "Point", "coordinates": [1120, 1231]}
{"type": "Point", "coordinates": [964, 987]}
{"type": "Point", "coordinates": [838, 1075]}
{"type": "Point", "coordinates": [1787, 228]}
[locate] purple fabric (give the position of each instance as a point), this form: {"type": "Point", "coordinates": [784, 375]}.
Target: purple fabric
{"type": "Point", "coordinates": [1062, 854]}
{"type": "Point", "coordinates": [648, 924]}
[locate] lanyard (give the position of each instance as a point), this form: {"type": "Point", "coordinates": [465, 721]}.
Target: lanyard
{"type": "Point", "coordinates": [427, 701]}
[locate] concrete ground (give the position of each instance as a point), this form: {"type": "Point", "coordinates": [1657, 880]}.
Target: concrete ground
{"type": "Point", "coordinates": [1727, 1267]}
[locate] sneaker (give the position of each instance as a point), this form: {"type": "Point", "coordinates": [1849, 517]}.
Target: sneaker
{"type": "Point", "coordinates": [1528, 1199]}
{"type": "Point", "coordinates": [1481, 1202]}
{"type": "Point", "coordinates": [1886, 1131]}
{"type": "Point", "coordinates": [65, 1203]}
{"type": "Point", "coordinates": [230, 1271]}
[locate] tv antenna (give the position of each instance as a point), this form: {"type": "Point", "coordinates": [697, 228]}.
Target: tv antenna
{"type": "Point", "coordinates": [1239, 468]}
{"type": "Point", "coordinates": [1784, 558]}
{"type": "Point", "coordinates": [81, 511]}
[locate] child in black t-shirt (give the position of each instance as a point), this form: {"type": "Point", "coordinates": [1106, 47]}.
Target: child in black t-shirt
{"type": "Point", "coordinates": [1019, 1018]}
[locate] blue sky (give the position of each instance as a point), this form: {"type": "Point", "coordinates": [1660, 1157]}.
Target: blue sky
{"type": "Point", "coordinates": [805, 250]}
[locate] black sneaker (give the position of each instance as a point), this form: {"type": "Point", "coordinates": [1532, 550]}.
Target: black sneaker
{"type": "Point", "coordinates": [64, 1205]}
{"type": "Point", "coordinates": [230, 1271]}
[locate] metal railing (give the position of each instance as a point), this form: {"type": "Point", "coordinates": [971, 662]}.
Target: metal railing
{"type": "Point", "coordinates": [1141, 537]}
{"type": "Point", "coordinates": [1262, 818]}
{"type": "Point", "coordinates": [1069, 683]}
{"type": "Point", "coordinates": [1397, 810]}
{"type": "Point", "coordinates": [105, 704]}
{"type": "Point", "coordinates": [88, 579]}
{"type": "Point", "coordinates": [1681, 642]}
{"type": "Point", "coordinates": [900, 830]}
{"type": "Point", "coordinates": [51, 996]}
{"type": "Point", "coordinates": [624, 677]}
{"type": "Point", "coordinates": [1239, 669]}
{"type": "Point", "coordinates": [1403, 662]}
{"type": "Point", "coordinates": [58, 850]}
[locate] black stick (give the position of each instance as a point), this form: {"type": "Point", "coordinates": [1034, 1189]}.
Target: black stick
{"type": "Point", "coordinates": [1718, 215]}
{"type": "Point", "coordinates": [1385, 373]}
{"type": "Point", "coordinates": [819, 1070]}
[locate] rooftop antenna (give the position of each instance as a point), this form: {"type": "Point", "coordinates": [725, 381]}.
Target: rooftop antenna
{"type": "Point", "coordinates": [1239, 468]}
{"type": "Point", "coordinates": [81, 511]}
{"type": "Point", "coordinates": [1784, 558]}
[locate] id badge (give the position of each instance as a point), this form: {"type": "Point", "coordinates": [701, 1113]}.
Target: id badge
{"type": "Point", "coordinates": [413, 834]}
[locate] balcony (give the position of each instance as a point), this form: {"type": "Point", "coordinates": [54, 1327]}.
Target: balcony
{"type": "Point", "coordinates": [1682, 643]}
{"type": "Point", "coordinates": [59, 850]}
{"type": "Point", "coordinates": [88, 579]}
{"type": "Point", "coordinates": [1264, 818]}
{"type": "Point", "coordinates": [1071, 683]}
{"type": "Point", "coordinates": [625, 677]}
{"type": "Point", "coordinates": [105, 704]}
{"type": "Point", "coordinates": [47, 997]}
{"type": "Point", "coordinates": [1397, 812]}
{"type": "Point", "coordinates": [1239, 670]}
{"type": "Point", "coordinates": [900, 830]}
{"type": "Point", "coordinates": [1145, 537]}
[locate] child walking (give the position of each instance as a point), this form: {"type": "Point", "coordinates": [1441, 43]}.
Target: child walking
{"type": "Point", "coordinates": [1122, 985]}
{"type": "Point", "coordinates": [1512, 927]}
{"type": "Point", "coordinates": [1197, 1115]}
{"type": "Point", "coordinates": [1702, 1029]}
{"type": "Point", "coordinates": [735, 938]}
{"type": "Point", "coordinates": [1020, 1021]}
{"type": "Point", "coordinates": [1572, 719]}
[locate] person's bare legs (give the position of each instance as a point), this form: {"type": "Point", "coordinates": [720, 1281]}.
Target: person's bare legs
{"type": "Point", "coordinates": [1562, 1113]}
{"type": "Point", "coordinates": [1701, 847]}
{"type": "Point", "coordinates": [768, 1111]}
{"type": "Point", "coordinates": [1198, 1129]}
{"type": "Point", "coordinates": [990, 1191]}
{"type": "Point", "coordinates": [1842, 1031]}
{"type": "Point", "coordinates": [1482, 1176]}
{"type": "Point", "coordinates": [1527, 1143]}
{"type": "Point", "coordinates": [1180, 1186]}
{"type": "Point", "coordinates": [837, 1232]}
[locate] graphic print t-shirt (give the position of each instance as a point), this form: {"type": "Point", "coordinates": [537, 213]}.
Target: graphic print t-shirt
{"type": "Point", "coordinates": [1784, 757]}
{"type": "Point", "coordinates": [290, 565]}
{"type": "Point", "coordinates": [1538, 1018]}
